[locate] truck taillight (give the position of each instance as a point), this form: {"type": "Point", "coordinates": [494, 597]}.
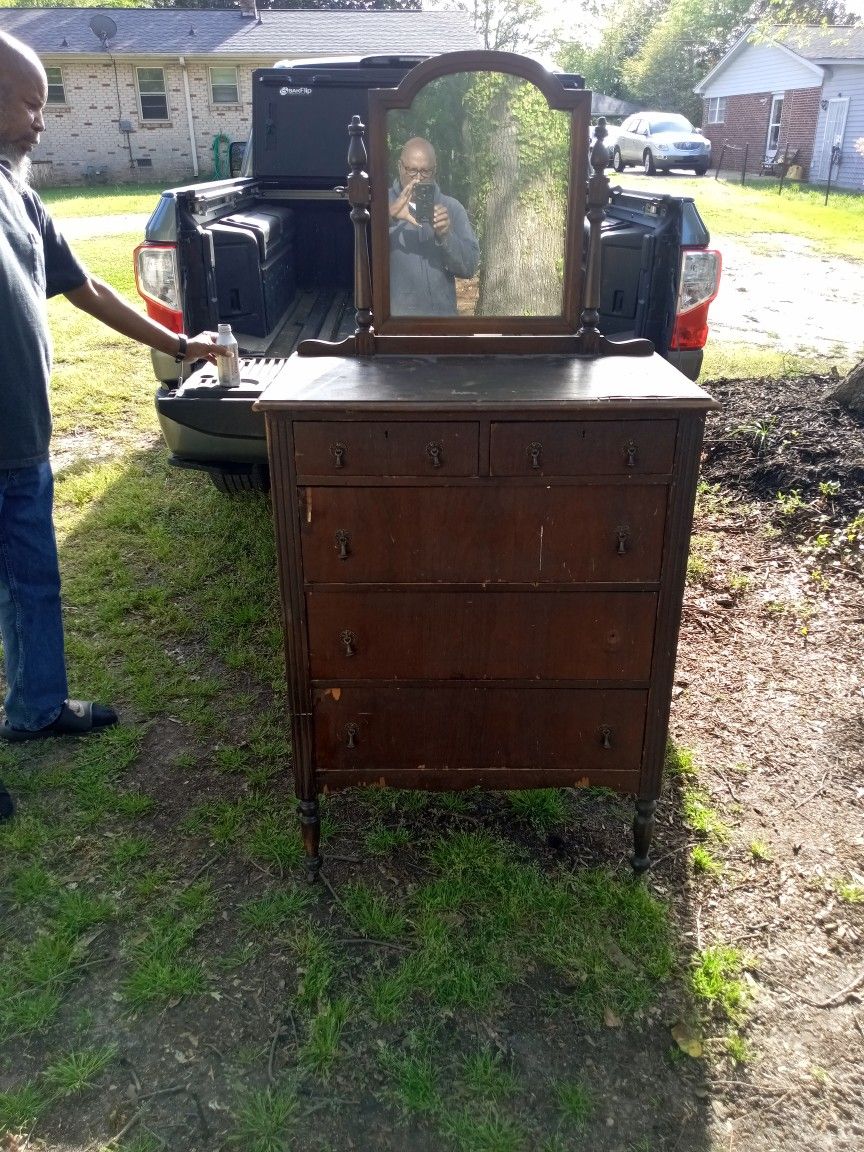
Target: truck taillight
{"type": "Point", "coordinates": [700, 280]}
{"type": "Point", "coordinates": [158, 282]}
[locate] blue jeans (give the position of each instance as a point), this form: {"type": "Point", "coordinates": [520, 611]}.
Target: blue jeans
{"type": "Point", "coordinates": [31, 624]}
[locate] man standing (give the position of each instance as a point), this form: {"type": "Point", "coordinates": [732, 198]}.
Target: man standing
{"type": "Point", "coordinates": [36, 263]}
{"type": "Point", "coordinates": [427, 256]}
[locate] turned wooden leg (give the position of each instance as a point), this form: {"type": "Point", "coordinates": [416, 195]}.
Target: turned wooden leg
{"type": "Point", "coordinates": [310, 826]}
{"type": "Point", "coordinates": [643, 830]}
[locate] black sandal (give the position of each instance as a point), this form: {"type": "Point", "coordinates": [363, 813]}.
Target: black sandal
{"type": "Point", "coordinates": [76, 717]}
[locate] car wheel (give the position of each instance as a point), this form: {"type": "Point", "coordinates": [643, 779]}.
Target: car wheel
{"type": "Point", "coordinates": [648, 163]}
{"type": "Point", "coordinates": [256, 479]}
{"type": "Point", "coordinates": [617, 162]}
{"type": "Point", "coordinates": [701, 169]}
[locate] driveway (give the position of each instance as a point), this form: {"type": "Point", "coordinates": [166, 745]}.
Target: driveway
{"type": "Point", "coordinates": [781, 291]}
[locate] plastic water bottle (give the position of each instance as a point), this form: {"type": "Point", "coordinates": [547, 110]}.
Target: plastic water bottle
{"type": "Point", "coordinates": [228, 367]}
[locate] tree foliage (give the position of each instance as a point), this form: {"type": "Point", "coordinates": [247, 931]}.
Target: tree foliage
{"type": "Point", "coordinates": [503, 25]}
{"type": "Point", "coordinates": [625, 26]}
{"type": "Point", "coordinates": [655, 52]}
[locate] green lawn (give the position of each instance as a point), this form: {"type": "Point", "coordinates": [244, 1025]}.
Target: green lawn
{"type": "Point", "coordinates": [758, 208]}
{"type": "Point", "coordinates": [110, 200]}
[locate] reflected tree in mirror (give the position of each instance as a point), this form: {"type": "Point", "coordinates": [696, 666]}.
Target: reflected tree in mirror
{"type": "Point", "coordinates": [521, 149]}
{"type": "Point", "coordinates": [503, 155]}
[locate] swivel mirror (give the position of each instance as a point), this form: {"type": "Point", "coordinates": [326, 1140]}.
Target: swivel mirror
{"type": "Point", "coordinates": [477, 209]}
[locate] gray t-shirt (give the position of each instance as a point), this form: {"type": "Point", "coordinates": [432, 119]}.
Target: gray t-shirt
{"type": "Point", "coordinates": [35, 263]}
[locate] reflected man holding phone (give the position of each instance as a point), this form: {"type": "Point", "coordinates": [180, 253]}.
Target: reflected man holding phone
{"type": "Point", "coordinates": [431, 240]}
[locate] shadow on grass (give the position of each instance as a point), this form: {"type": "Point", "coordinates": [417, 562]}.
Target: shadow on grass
{"type": "Point", "coordinates": [478, 972]}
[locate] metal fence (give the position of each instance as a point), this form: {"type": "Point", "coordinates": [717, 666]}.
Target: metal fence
{"type": "Point", "coordinates": [845, 173]}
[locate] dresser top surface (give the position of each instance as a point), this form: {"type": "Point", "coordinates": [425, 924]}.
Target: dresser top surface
{"type": "Point", "coordinates": [430, 383]}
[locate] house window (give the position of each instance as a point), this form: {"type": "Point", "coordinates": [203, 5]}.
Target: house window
{"type": "Point", "coordinates": [715, 110]}
{"type": "Point", "coordinates": [774, 120]}
{"type": "Point", "coordinates": [223, 86]}
{"type": "Point", "coordinates": [151, 93]}
{"type": "Point", "coordinates": [56, 91]}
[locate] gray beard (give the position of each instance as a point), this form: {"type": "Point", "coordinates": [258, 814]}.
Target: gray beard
{"type": "Point", "coordinates": [18, 164]}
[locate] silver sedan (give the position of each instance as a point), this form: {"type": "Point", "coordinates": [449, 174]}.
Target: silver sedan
{"type": "Point", "coordinates": [658, 141]}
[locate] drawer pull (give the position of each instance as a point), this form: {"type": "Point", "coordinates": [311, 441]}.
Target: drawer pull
{"type": "Point", "coordinates": [630, 452]}
{"type": "Point", "coordinates": [348, 640]}
{"type": "Point", "coordinates": [343, 540]}
{"type": "Point", "coordinates": [433, 449]}
{"type": "Point", "coordinates": [338, 451]}
{"type": "Point", "coordinates": [535, 451]}
{"type": "Point", "coordinates": [350, 735]}
{"type": "Point", "coordinates": [605, 737]}
{"type": "Point", "coordinates": [623, 539]}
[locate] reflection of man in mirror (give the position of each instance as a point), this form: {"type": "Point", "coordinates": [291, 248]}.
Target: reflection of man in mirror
{"type": "Point", "coordinates": [426, 255]}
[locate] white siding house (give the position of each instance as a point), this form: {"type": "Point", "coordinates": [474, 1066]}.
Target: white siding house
{"type": "Point", "coordinates": [792, 90]}
{"type": "Point", "coordinates": [161, 96]}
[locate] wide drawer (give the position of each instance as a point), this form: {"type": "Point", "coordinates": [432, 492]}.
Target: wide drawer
{"type": "Point", "coordinates": [480, 635]}
{"type": "Point", "coordinates": [593, 534]}
{"type": "Point", "coordinates": [456, 729]}
{"type": "Point", "coordinates": [583, 447]}
{"type": "Point", "coordinates": [385, 448]}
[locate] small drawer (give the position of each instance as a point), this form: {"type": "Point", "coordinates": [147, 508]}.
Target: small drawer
{"type": "Point", "coordinates": [583, 447]}
{"type": "Point", "coordinates": [385, 448]}
{"type": "Point", "coordinates": [484, 635]}
{"type": "Point", "coordinates": [455, 728]}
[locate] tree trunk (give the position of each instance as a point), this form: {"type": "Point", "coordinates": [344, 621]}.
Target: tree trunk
{"type": "Point", "coordinates": [850, 391]}
{"type": "Point", "coordinates": [523, 249]}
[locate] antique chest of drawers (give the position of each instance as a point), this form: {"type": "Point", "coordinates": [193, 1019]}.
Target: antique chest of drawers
{"type": "Point", "coordinates": [482, 564]}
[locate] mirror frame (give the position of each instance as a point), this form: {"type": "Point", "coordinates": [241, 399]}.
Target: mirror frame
{"type": "Point", "coordinates": [575, 101]}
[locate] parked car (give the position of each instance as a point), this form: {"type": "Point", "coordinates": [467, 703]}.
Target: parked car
{"type": "Point", "coordinates": [658, 141]}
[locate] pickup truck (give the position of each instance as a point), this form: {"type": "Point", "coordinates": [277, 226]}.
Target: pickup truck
{"type": "Point", "coordinates": [270, 251]}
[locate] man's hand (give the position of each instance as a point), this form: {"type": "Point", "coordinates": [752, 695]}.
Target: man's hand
{"type": "Point", "coordinates": [399, 209]}
{"type": "Point", "coordinates": [441, 221]}
{"type": "Point", "coordinates": [204, 347]}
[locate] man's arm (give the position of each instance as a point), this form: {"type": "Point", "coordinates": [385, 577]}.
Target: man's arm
{"type": "Point", "coordinates": [457, 239]}
{"type": "Point", "coordinates": [100, 300]}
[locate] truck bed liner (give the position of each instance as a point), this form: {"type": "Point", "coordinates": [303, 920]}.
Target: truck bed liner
{"type": "Point", "coordinates": [315, 313]}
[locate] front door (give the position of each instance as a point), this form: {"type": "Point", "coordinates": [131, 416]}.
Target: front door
{"type": "Point", "coordinates": [833, 128]}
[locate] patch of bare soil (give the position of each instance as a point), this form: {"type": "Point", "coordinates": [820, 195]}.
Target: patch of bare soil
{"type": "Point", "coordinates": [770, 695]}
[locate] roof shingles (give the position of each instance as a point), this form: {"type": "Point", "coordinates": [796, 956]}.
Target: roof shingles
{"type": "Point", "coordinates": [817, 42]}
{"type": "Point", "coordinates": [197, 32]}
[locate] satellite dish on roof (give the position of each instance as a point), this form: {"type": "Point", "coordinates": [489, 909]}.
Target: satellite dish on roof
{"type": "Point", "coordinates": [103, 27]}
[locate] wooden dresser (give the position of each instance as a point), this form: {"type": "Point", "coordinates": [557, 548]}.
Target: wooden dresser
{"type": "Point", "coordinates": [482, 563]}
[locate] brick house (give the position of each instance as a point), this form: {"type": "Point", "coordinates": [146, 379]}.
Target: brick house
{"type": "Point", "coordinates": [160, 96]}
{"type": "Point", "coordinates": [792, 87]}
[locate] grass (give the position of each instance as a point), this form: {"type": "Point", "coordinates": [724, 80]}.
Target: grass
{"type": "Point", "coordinates": [704, 862]}
{"type": "Point", "coordinates": [731, 210]}
{"type": "Point", "coordinates": [849, 891]}
{"type": "Point", "coordinates": [700, 815]}
{"type": "Point", "coordinates": [728, 361]}
{"type": "Point", "coordinates": [716, 980]}
{"type": "Point", "coordinates": [78, 1071]}
{"type": "Point", "coordinates": [108, 200]}
{"type": "Point", "coordinates": [265, 1121]}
